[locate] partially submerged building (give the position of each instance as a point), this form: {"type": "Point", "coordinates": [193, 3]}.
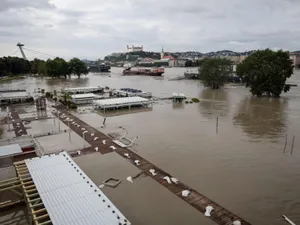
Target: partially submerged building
{"type": "Point", "coordinates": [117, 103]}
{"type": "Point", "coordinates": [130, 92]}
{"type": "Point", "coordinates": [85, 98]}
{"type": "Point", "coordinates": [12, 97]}
{"type": "Point", "coordinates": [83, 90]}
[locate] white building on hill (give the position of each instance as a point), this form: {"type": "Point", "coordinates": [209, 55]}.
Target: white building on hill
{"type": "Point", "coordinates": [135, 48]}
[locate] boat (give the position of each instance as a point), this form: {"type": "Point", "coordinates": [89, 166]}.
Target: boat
{"type": "Point", "coordinates": [144, 72]}
{"type": "Point", "coordinates": [99, 68]}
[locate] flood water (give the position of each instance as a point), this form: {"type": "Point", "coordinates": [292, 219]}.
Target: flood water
{"type": "Point", "coordinates": [242, 164]}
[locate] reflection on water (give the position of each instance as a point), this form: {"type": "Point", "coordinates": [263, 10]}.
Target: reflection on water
{"type": "Point", "coordinates": [178, 105]}
{"type": "Point", "coordinates": [73, 82]}
{"type": "Point", "coordinates": [214, 103]}
{"type": "Point", "coordinates": [262, 117]}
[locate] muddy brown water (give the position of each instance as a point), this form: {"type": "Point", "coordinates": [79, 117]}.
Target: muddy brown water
{"type": "Point", "coordinates": [241, 165]}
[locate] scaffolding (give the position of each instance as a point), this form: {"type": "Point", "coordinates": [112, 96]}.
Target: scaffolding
{"type": "Point", "coordinates": [37, 212]}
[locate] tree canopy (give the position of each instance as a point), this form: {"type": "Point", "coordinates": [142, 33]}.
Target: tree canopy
{"type": "Point", "coordinates": [14, 66]}
{"type": "Point", "coordinates": [214, 72]}
{"type": "Point", "coordinates": [77, 67]}
{"type": "Point", "coordinates": [57, 67]}
{"type": "Point", "coordinates": [266, 71]}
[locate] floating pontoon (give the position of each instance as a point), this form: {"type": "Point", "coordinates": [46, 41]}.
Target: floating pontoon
{"type": "Point", "coordinates": [85, 98]}
{"type": "Point", "coordinates": [116, 103]}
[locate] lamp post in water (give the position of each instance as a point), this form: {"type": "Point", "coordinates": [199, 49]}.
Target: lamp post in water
{"type": "Point", "coordinates": [83, 137]}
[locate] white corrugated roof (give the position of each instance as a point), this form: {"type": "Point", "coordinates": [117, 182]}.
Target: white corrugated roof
{"type": "Point", "coordinates": [82, 89]}
{"type": "Point", "coordinates": [178, 94]}
{"type": "Point", "coordinates": [120, 101]}
{"type": "Point", "coordinates": [69, 195]}
{"type": "Point", "coordinates": [87, 95]}
{"type": "Point", "coordinates": [10, 150]}
{"type": "Point", "coordinates": [18, 94]}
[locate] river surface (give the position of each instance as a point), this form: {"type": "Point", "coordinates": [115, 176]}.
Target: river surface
{"type": "Point", "coordinates": [242, 164]}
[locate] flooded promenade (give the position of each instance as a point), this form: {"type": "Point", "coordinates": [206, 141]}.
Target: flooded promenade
{"type": "Point", "coordinates": [242, 166]}
{"type": "Point", "coordinates": [100, 142]}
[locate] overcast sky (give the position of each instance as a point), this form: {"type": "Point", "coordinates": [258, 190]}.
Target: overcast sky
{"type": "Point", "coordinates": [94, 28]}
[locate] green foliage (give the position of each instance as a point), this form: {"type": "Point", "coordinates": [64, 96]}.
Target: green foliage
{"type": "Point", "coordinates": [197, 63]}
{"type": "Point", "coordinates": [14, 66]}
{"type": "Point", "coordinates": [77, 67]}
{"type": "Point", "coordinates": [42, 67]}
{"type": "Point", "coordinates": [214, 72]}
{"type": "Point", "coordinates": [196, 100]}
{"type": "Point", "coordinates": [48, 94]}
{"type": "Point", "coordinates": [189, 63]}
{"type": "Point", "coordinates": [266, 71]}
{"type": "Point", "coordinates": [38, 67]}
{"type": "Point", "coordinates": [57, 67]}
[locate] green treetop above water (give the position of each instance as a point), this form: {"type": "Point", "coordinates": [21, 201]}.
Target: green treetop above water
{"type": "Point", "coordinates": [266, 72]}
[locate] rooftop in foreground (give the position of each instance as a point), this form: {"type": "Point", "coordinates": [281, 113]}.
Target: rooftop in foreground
{"type": "Point", "coordinates": [68, 195]}
{"type": "Point", "coordinates": [10, 150]}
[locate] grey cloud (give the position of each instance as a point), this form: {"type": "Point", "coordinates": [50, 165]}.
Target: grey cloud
{"type": "Point", "coordinates": [92, 29]}
{"type": "Point", "coordinates": [18, 4]}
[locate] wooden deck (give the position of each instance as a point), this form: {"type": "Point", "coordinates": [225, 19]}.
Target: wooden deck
{"type": "Point", "coordinates": [220, 215]}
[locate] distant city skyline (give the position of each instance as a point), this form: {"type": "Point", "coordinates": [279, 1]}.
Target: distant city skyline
{"type": "Point", "coordinates": [90, 29]}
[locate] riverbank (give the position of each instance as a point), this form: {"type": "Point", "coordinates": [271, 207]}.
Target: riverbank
{"type": "Point", "coordinates": [11, 78]}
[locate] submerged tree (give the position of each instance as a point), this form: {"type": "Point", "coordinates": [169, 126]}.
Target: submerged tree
{"type": "Point", "coordinates": [57, 67]}
{"type": "Point", "coordinates": [77, 67]}
{"type": "Point", "coordinates": [37, 66]}
{"type": "Point", "coordinates": [266, 71]}
{"type": "Point", "coordinates": [214, 72]}
{"type": "Point", "coordinates": [14, 66]}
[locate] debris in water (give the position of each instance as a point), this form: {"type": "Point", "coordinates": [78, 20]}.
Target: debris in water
{"type": "Point", "coordinates": [127, 155]}
{"type": "Point", "coordinates": [137, 162]}
{"type": "Point", "coordinates": [288, 220]}
{"type": "Point", "coordinates": [185, 193]}
{"type": "Point", "coordinates": [129, 179]}
{"type": "Point", "coordinates": [237, 222]}
{"type": "Point", "coordinates": [208, 210]}
{"type": "Point", "coordinates": [113, 147]}
{"type": "Point", "coordinates": [168, 179]}
{"type": "Point", "coordinates": [175, 180]}
{"type": "Point", "coordinates": [101, 186]}
{"type": "Point", "coordinates": [79, 152]}
{"type": "Point", "coordinates": [92, 134]}
{"type": "Point", "coordinates": [104, 142]}
{"type": "Point", "coordinates": [96, 138]}
{"type": "Point", "coordinates": [96, 149]}
{"type": "Point", "coordinates": [152, 171]}
{"type": "Point", "coordinates": [82, 128]}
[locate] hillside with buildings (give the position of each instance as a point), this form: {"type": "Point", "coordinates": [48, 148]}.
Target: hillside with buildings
{"type": "Point", "coordinates": [135, 55]}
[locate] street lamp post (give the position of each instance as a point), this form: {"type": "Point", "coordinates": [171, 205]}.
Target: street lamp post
{"type": "Point", "coordinates": [69, 130]}
{"type": "Point", "coordinates": [83, 136]}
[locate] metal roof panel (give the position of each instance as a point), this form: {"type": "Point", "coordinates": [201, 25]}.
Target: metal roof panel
{"type": "Point", "coordinates": [69, 195]}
